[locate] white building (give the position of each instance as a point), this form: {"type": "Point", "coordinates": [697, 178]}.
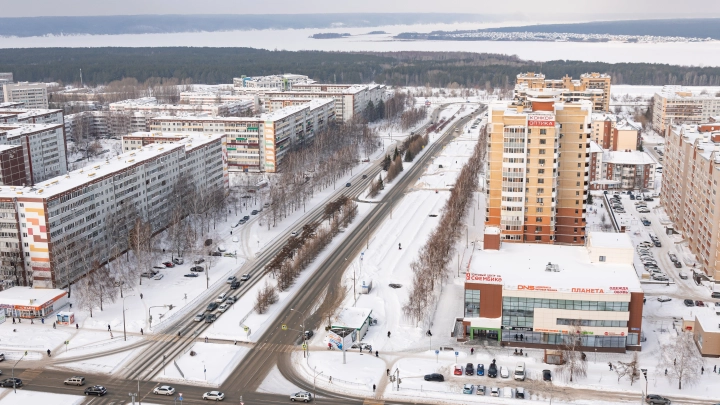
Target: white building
{"type": "Point", "coordinates": [620, 170]}
{"type": "Point", "coordinates": [63, 220]}
{"type": "Point", "coordinates": [43, 147]}
{"type": "Point", "coordinates": [219, 97]}
{"type": "Point", "coordinates": [284, 81]}
{"type": "Point", "coordinates": [681, 106]}
{"type": "Point", "coordinates": [350, 100]}
{"type": "Point", "coordinates": [37, 116]}
{"type": "Point", "coordinates": [32, 95]}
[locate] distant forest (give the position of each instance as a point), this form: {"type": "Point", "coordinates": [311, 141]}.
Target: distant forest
{"type": "Point", "coordinates": [220, 65]}
{"type": "Point", "coordinates": [689, 27]}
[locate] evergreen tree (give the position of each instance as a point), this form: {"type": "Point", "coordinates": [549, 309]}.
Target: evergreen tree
{"type": "Point", "coordinates": [380, 110]}
{"type": "Point", "coordinates": [409, 156]}
{"type": "Point", "coordinates": [386, 163]}
{"type": "Point", "coordinates": [396, 154]}
{"type": "Point", "coordinates": [369, 112]}
{"type": "Point", "coordinates": [380, 183]}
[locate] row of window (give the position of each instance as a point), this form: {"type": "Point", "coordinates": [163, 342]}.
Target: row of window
{"type": "Point", "coordinates": [531, 303]}
{"type": "Point", "coordinates": [592, 323]}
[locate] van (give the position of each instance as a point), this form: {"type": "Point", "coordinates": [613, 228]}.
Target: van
{"type": "Point", "coordinates": [520, 371]}
{"type": "Point", "coordinates": [75, 381]}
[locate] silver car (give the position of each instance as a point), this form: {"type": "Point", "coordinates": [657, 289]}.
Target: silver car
{"type": "Point", "coordinates": [303, 396]}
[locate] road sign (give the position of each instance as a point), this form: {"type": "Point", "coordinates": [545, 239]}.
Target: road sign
{"type": "Point", "coordinates": [304, 346]}
{"type": "Point", "coordinates": [284, 327]}
{"type": "Point", "coordinates": [438, 352]}
{"type": "Point", "coordinates": [245, 328]}
{"type": "Point", "coordinates": [457, 353]}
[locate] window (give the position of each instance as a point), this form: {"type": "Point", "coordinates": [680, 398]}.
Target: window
{"type": "Point", "coordinates": [543, 132]}
{"type": "Point", "coordinates": [541, 161]}
{"type": "Point", "coordinates": [472, 303]}
{"type": "Point", "coordinates": [602, 258]}
{"type": "Point", "coordinates": [542, 151]}
{"type": "Point", "coordinates": [538, 209]}
{"type": "Point", "coordinates": [538, 228]}
{"type": "Point", "coordinates": [538, 238]}
{"type": "Point", "coordinates": [543, 142]}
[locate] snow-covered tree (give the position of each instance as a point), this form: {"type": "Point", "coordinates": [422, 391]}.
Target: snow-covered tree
{"type": "Point", "coordinates": [682, 360]}
{"type": "Point", "coordinates": [574, 365]}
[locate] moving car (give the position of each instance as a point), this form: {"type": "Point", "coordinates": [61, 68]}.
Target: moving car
{"type": "Point", "coordinates": [75, 381]}
{"type": "Point", "coordinates": [231, 279]}
{"type": "Point", "coordinates": [469, 369]}
{"type": "Point", "coordinates": [308, 334]}
{"type": "Point", "coordinates": [458, 370]}
{"type": "Point", "coordinates": [214, 395]}
{"type": "Point", "coordinates": [481, 369]}
{"type": "Point", "coordinates": [434, 377]}
{"type": "Point", "coordinates": [210, 318]}
{"type": "Point", "coordinates": [164, 390]}
{"type": "Point", "coordinates": [191, 275]}
{"type": "Point", "coordinates": [301, 396]}
{"type": "Point", "coordinates": [221, 298]}
{"type": "Point", "coordinates": [230, 300]}
{"type": "Point", "coordinates": [98, 390]}
{"type": "Point", "coordinates": [656, 400]}
{"type": "Point", "coordinates": [245, 277]}
{"type": "Point", "coordinates": [468, 389]}
{"type": "Point", "coordinates": [199, 317]}
{"type": "Point", "coordinates": [223, 307]}
{"type": "Point", "coordinates": [234, 285]}
{"type": "Point", "coordinates": [348, 185]}
{"type": "Point", "coordinates": [211, 307]}
{"type": "Point", "coordinates": [504, 372]}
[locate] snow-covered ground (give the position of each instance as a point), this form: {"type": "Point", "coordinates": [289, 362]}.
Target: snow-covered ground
{"type": "Point", "coordinates": [210, 364]}
{"type": "Point", "coordinates": [26, 397]}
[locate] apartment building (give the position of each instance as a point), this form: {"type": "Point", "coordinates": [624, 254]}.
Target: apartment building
{"type": "Point", "coordinates": [219, 97]}
{"type": "Point", "coordinates": [27, 116]}
{"type": "Point", "coordinates": [44, 149]}
{"type": "Point", "coordinates": [593, 87]}
{"type": "Point", "coordinates": [137, 140]}
{"type": "Point", "coordinates": [257, 144]}
{"type": "Point", "coordinates": [63, 221]}
{"type": "Point", "coordinates": [95, 124]}
{"type": "Point", "coordinates": [32, 95]}
{"type": "Point", "coordinates": [690, 192]}
{"type": "Point", "coordinates": [350, 100]}
{"type": "Point", "coordinates": [620, 170]}
{"type": "Point", "coordinates": [538, 160]}
{"type": "Point", "coordinates": [676, 105]}
{"type": "Point", "coordinates": [615, 134]}
{"type": "Point", "coordinates": [282, 82]}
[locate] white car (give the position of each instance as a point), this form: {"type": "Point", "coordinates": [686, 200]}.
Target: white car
{"type": "Point", "coordinates": [221, 248]}
{"type": "Point", "coordinates": [223, 307]}
{"type": "Point", "coordinates": [221, 298]}
{"type": "Point", "coordinates": [235, 239]}
{"type": "Point", "coordinates": [504, 373]}
{"type": "Point", "coordinates": [301, 396]}
{"type": "Point", "coordinates": [245, 277]}
{"type": "Point", "coordinates": [214, 395]}
{"type": "Point", "coordinates": [494, 392]}
{"type": "Point", "coordinates": [158, 277]}
{"type": "Point", "coordinates": [164, 390]}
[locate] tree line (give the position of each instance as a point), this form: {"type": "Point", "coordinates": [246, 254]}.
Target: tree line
{"type": "Point", "coordinates": [409, 68]}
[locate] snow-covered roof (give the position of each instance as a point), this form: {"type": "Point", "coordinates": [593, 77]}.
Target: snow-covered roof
{"type": "Point", "coordinates": [492, 230]}
{"type": "Point", "coordinates": [77, 178]}
{"type": "Point", "coordinates": [491, 323]}
{"type": "Point", "coordinates": [609, 240]}
{"type": "Point", "coordinates": [708, 318]}
{"type": "Point", "coordinates": [19, 129]}
{"type": "Point", "coordinates": [353, 317]}
{"type": "Point", "coordinates": [595, 148]}
{"type": "Point", "coordinates": [524, 264]}
{"type": "Point", "coordinates": [603, 116]}
{"type": "Point", "coordinates": [633, 157]}
{"type": "Point", "coordinates": [626, 125]}
{"type": "Point", "coordinates": [29, 296]}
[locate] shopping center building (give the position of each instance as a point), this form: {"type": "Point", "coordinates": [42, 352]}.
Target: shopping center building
{"type": "Point", "coordinates": [533, 295]}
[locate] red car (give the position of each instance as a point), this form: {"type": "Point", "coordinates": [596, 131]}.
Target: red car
{"type": "Point", "coordinates": [699, 304]}
{"type": "Point", "coordinates": [458, 370]}
{"type": "Point", "coordinates": [169, 264]}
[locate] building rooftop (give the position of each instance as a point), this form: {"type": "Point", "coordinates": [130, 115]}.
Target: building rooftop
{"type": "Point", "coordinates": [18, 129]}
{"type": "Point", "coordinates": [524, 264]}
{"type": "Point", "coordinates": [634, 157]}
{"type": "Point", "coordinates": [77, 178]}
{"type": "Point", "coordinates": [29, 296]}
{"type": "Point", "coordinates": [595, 148]}
{"type": "Point", "coordinates": [352, 317]}
{"type": "Point", "coordinates": [627, 125]}
{"type": "Point", "coordinates": [708, 318]}
{"type": "Point", "coordinates": [610, 240]}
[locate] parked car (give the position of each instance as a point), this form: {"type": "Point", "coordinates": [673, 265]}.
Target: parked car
{"type": "Point", "coordinates": [480, 390]}
{"type": "Point", "coordinates": [214, 395]}
{"type": "Point", "coordinates": [231, 279]}
{"type": "Point", "coordinates": [198, 269]}
{"type": "Point", "coordinates": [235, 239]}
{"type": "Point", "coordinates": [683, 276]}
{"type": "Point", "coordinates": [221, 248]}
{"type": "Point", "coordinates": [246, 218]}
{"type": "Point", "coordinates": [468, 389]}
{"type": "Point", "coordinates": [199, 317]}
{"type": "Point", "coordinates": [480, 369]}
{"type": "Point", "coordinates": [210, 318]}
{"type": "Point", "coordinates": [673, 257]}
{"type": "Point", "coordinates": [689, 303]}
{"type": "Point", "coordinates": [645, 244]}
{"type": "Point", "coordinates": [504, 372]}
{"type": "Point", "coordinates": [169, 264]}
{"type": "Point", "coordinates": [677, 265]}
{"type": "Point", "coordinates": [494, 392]}
{"type": "Point", "coordinates": [664, 299]}
{"type": "Point", "coordinates": [469, 369]}
{"type": "Point", "coordinates": [645, 221]}
{"type": "Point", "coordinates": [164, 390]}
{"type": "Point", "coordinates": [547, 375]}
{"type": "Point", "coordinates": [715, 294]}
{"type": "Point", "coordinates": [434, 377]}
{"type": "Point", "coordinates": [301, 396]}
{"type": "Point", "coordinates": [234, 285]}
{"type": "Point", "coordinates": [458, 370]}
{"type": "Point", "coordinates": [492, 370]}
{"type": "Point", "coordinates": [245, 277]}
{"type": "Point", "coordinates": [211, 307]}
{"type": "Point", "coordinates": [254, 212]}
{"type": "Point", "coordinates": [520, 371]}
{"type": "Point", "coordinates": [656, 400]}
{"type": "Point", "coordinates": [178, 260]}
{"type": "Point", "coordinates": [659, 277]}
{"type": "Point", "coordinates": [214, 254]}
{"type": "Point", "coordinates": [199, 260]}
{"type": "Point", "coordinates": [520, 392]}
{"type": "Point", "coordinates": [158, 277]}
{"type": "Point", "coordinates": [699, 303]}
{"type": "Point", "coordinates": [98, 390]}
{"type": "Point", "coordinates": [75, 381]}
{"type": "Point", "coordinates": [191, 275]}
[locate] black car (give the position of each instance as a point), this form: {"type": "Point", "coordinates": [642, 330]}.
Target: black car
{"type": "Point", "coordinates": [211, 306]}
{"type": "Point", "coordinates": [215, 254]}
{"type": "Point", "coordinates": [246, 218]}
{"type": "Point", "coordinates": [689, 303]}
{"type": "Point", "coordinates": [198, 269]}
{"type": "Point", "coordinates": [254, 212]}
{"type": "Point", "coordinates": [234, 285]}
{"type": "Point", "coordinates": [547, 376]}
{"type": "Point", "coordinates": [8, 382]}
{"type": "Point", "coordinates": [470, 369]}
{"type": "Point", "coordinates": [492, 370]}
{"type": "Point", "coordinates": [308, 334]}
{"type": "Point", "coordinates": [210, 318]}
{"type": "Point", "coordinates": [98, 390]}
{"type": "Point", "coordinates": [434, 377]}
{"type": "Point", "coordinates": [191, 275]}
{"type": "Point", "coordinates": [656, 400]}
{"type": "Point", "coordinates": [715, 294]}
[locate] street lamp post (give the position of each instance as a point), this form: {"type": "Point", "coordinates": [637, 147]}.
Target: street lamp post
{"type": "Point", "coordinates": [314, 378]}
{"type": "Point", "coordinates": [123, 311]}
{"type": "Point", "coordinates": [13, 371]}
{"type": "Point", "coordinates": [303, 332]}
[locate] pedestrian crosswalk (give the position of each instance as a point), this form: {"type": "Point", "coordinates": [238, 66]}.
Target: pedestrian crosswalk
{"type": "Point", "coordinates": [161, 337]}
{"type": "Point", "coordinates": [276, 348]}
{"type": "Point", "coordinates": [28, 375]}
{"type": "Point", "coordinates": [373, 402]}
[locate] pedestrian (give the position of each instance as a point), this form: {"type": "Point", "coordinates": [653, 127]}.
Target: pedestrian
{"type": "Point", "coordinates": [140, 295]}
{"type": "Point", "coordinates": [516, 337]}
{"type": "Point", "coordinates": [330, 379]}
{"type": "Point", "coordinates": [702, 370]}
{"type": "Point", "coordinates": [70, 306]}
{"type": "Point", "coordinates": [376, 353]}
{"type": "Point", "coordinates": [715, 369]}
{"type": "Point", "coordinates": [42, 320]}
{"type": "Point", "coordinates": [206, 339]}
{"type": "Point", "coordinates": [388, 333]}
{"type": "Point", "coordinates": [108, 327]}
{"type": "Point", "coordinates": [77, 326]}
{"type": "Point", "coordinates": [48, 352]}
{"type": "Point", "coordinates": [54, 325]}
{"type": "Point", "coordinates": [373, 387]}
{"type": "Point", "coordinates": [522, 337]}
{"type": "Point", "coordinates": [32, 321]}
{"type": "Point", "coordinates": [674, 362]}
{"type": "Point", "coordinates": [360, 348]}
{"type": "Point", "coordinates": [472, 350]}
{"type": "Point", "coordinates": [111, 336]}
{"type": "Point", "coordinates": [141, 332]}
{"type": "Point", "coordinates": [610, 365]}
{"type": "Point", "coordinates": [13, 320]}
{"type": "Point", "coordinates": [19, 320]}
{"type": "Point", "coordinates": [234, 342]}
{"type": "Point", "coordinates": [665, 371]}
{"type": "Point", "coordinates": [388, 372]}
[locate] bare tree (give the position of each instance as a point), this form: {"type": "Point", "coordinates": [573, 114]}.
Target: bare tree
{"type": "Point", "coordinates": [266, 296]}
{"type": "Point", "coordinates": [630, 369]}
{"type": "Point", "coordinates": [681, 358]}
{"type": "Point", "coordinates": [139, 243]}
{"type": "Point", "coordinates": [102, 285]}
{"type": "Point", "coordinates": [574, 365]}
{"type": "Point", "coordinates": [86, 297]}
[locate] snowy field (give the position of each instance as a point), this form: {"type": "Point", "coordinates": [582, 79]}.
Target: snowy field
{"type": "Point", "coordinates": [210, 366]}
{"type": "Point", "coordinates": [694, 53]}
{"type": "Point", "coordinates": [25, 397]}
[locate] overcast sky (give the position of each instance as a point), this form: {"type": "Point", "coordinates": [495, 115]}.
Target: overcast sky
{"type": "Point", "coordinates": [581, 9]}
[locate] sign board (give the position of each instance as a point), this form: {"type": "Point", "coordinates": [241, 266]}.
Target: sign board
{"type": "Point", "coordinates": [437, 351]}
{"type": "Point", "coordinates": [304, 346]}
{"type": "Point", "coordinates": [483, 278]}
{"type": "Point", "coordinates": [541, 120]}
{"type": "Point", "coordinates": [284, 327]}
{"type": "Point", "coordinates": [245, 328]}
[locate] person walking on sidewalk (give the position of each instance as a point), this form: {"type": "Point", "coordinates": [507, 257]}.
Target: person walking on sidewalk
{"type": "Point", "coordinates": [141, 332]}
{"type": "Point", "coordinates": [374, 387]}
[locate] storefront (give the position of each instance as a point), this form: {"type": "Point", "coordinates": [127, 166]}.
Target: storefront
{"type": "Point", "coordinates": [26, 302]}
{"type": "Point", "coordinates": [544, 295]}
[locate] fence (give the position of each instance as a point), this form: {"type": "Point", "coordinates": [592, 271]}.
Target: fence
{"type": "Point", "coordinates": [178, 369]}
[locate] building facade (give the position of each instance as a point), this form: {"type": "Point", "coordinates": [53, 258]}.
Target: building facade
{"type": "Point", "coordinates": [32, 95]}
{"type": "Point", "coordinates": [590, 293]}
{"type": "Point", "coordinates": [676, 105]}
{"type": "Point", "coordinates": [620, 170]}
{"type": "Point", "coordinates": [281, 82]}
{"type": "Point", "coordinates": [614, 134]}
{"type": "Point", "coordinates": [690, 194]}
{"type": "Point", "coordinates": [539, 162]}
{"type": "Point", "coordinates": [63, 222]}
{"type": "Point", "coordinates": [592, 87]}
{"type": "Point", "coordinates": [350, 100]}
{"type": "Point", "coordinates": [44, 149]}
